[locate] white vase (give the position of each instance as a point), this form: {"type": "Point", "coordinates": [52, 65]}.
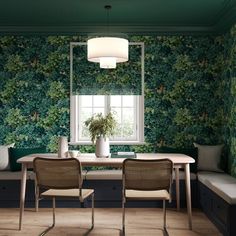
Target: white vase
{"type": "Point", "coordinates": [102, 147]}
{"type": "Point", "coordinates": [62, 147]}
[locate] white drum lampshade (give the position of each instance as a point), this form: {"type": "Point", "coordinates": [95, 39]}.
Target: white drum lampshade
{"type": "Point", "coordinates": [108, 51]}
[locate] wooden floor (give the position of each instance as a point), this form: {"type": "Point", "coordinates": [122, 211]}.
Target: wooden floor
{"type": "Point", "coordinates": [75, 222]}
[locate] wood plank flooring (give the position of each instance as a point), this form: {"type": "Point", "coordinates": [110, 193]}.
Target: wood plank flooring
{"type": "Point", "coordinates": [76, 222]}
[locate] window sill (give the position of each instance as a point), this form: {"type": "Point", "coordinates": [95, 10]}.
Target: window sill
{"type": "Point", "coordinates": [111, 143]}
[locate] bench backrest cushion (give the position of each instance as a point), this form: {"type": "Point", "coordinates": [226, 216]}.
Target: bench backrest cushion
{"type": "Point", "coordinates": [4, 156]}
{"type": "Point", "coordinates": [209, 157]}
{"type": "Point", "coordinates": [16, 153]}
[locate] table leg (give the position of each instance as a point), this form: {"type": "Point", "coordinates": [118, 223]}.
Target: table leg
{"type": "Point", "coordinates": [177, 188]}
{"type": "Point", "coordinates": [188, 194]}
{"type": "Point", "coordinates": [36, 194]}
{"type": "Point", "coordinates": [22, 193]}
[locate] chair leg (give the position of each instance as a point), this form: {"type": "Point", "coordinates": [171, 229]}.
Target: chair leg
{"type": "Point", "coordinates": [164, 214]}
{"type": "Point", "coordinates": [123, 216]}
{"type": "Point", "coordinates": [54, 207]}
{"type": "Point", "coordinates": [92, 211]}
{"type": "Point", "coordinates": [53, 215]}
{"type": "Point", "coordinates": [36, 189]}
{"type": "Point", "coordinates": [164, 217]}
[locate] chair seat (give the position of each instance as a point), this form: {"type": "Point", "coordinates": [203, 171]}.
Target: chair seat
{"type": "Point", "coordinates": [67, 193]}
{"type": "Point", "coordinates": [147, 195]}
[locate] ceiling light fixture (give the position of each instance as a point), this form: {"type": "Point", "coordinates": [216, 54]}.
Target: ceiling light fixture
{"type": "Point", "coordinates": [108, 50]}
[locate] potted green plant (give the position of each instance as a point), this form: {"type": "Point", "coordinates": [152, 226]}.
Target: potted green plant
{"type": "Point", "coordinates": [101, 128]}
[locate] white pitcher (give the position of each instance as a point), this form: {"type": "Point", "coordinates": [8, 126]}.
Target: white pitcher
{"type": "Point", "coordinates": [62, 147]}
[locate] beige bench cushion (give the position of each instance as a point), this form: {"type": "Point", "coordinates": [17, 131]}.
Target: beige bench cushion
{"type": "Point", "coordinates": [104, 175]}
{"type": "Point", "coordinates": [227, 191]}
{"type": "Point", "coordinates": [16, 175]}
{"type": "Point", "coordinates": [117, 175]}
{"type": "Point", "coordinates": [222, 184]}
{"type": "Point", "coordinates": [206, 177]}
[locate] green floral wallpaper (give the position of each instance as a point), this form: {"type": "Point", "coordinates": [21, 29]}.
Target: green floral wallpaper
{"type": "Point", "coordinates": [229, 74]}
{"type": "Point", "coordinates": [89, 79]}
{"type": "Point", "coordinates": [184, 91]}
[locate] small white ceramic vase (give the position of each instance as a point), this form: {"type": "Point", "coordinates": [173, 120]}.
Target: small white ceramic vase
{"type": "Point", "coordinates": [62, 147]}
{"type": "Point", "coordinates": [102, 147]}
{"type": "Point", "coordinates": [73, 153]}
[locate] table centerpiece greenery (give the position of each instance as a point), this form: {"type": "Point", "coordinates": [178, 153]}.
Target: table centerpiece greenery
{"type": "Point", "coordinates": [100, 128]}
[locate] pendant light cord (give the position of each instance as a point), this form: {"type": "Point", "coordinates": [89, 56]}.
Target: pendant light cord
{"type": "Point", "coordinates": [108, 8]}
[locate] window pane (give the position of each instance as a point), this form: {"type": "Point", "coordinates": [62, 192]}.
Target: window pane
{"type": "Point", "coordinates": [85, 132]}
{"type": "Point", "coordinates": [85, 114]}
{"type": "Point", "coordinates": [118, 131]}
{"type": "Point", "coordinates": [128, 101]}
{"type": "Point", "coordinates": [99, 101]}
{"type": "Point", "coordinates": [117, 114]}
{"type": "Point", "coordinates": [128, 130]}
{"type": "Point", "coordinates": [128, 122]}
{"type": "Point", "coordinates": [115, 101]}
{"type": "Point", "coordinates": [98, 110]}
{"type": "Point", "coordinates": [86, 101]}
{"type": "Point", "coordinates": [128, 115]}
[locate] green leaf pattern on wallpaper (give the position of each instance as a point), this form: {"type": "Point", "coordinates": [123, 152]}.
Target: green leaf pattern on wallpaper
{"type": "Point", "coordinates": [229, 74]}
{"type": "Point", "coordinates": [34, 85]}
{"type": "Point", "coordinates": [184, 90]}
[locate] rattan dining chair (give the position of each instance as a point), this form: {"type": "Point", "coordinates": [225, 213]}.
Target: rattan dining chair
{"type": "Point", "coordinates": [61, 178]}
{"type": "Point", "coordinates": [147, 180]}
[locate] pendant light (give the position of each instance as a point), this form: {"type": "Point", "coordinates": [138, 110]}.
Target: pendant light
{"type": "Point", "coordinates": [107, 51]}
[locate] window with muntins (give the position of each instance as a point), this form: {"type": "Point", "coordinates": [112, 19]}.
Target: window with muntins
{"type": "Point", "coordinates": [127, 109]}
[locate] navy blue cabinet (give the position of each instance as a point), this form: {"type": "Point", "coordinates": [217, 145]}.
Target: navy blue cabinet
{"type": "Point", "coordinates": [220, 212]}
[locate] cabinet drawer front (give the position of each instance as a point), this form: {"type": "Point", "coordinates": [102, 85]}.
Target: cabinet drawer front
{"type": "Point", "coordinates": [220, 208]}
{"type": "Point", "coordinates": [10, 190]}
{"type": "Point", "coordinates": [105, 190]}
{"type": "Point", "coordinates": [205, 199]}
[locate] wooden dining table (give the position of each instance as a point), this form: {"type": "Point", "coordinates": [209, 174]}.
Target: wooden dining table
{"type": "Point", "coordinates": [89, 160]}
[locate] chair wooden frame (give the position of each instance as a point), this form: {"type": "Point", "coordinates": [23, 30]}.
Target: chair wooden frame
{"type": "Point", "coordinates": [162, 195]}
{"type": "Point", "coordinates": [72, 182]}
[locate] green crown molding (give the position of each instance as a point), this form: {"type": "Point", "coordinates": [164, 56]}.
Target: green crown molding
{"type": "Point", "coordinates": [132, 17]}
{"type": "Point", "coordinates": [131, 29]}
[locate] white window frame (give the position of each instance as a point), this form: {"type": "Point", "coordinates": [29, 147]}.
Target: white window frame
{"type": "Point", "coordinates": [74, 106]}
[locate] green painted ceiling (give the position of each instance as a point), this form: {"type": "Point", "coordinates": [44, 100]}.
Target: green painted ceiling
{"type": "Point", "coordinates": [127, 16]}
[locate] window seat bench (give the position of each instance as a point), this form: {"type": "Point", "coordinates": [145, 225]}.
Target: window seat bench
{"type": "Point", "coordinates": [117, 175]}
{"type": "Point", "coordinates": [217, 196]}
{"type": "Point", "coordinates": [107, 185]}
{"type": "Point", "coordinates": [108, 189]}
{"type": "Point", "coordinates": [10, 183]}
{"type": "Point", "coordinates": [16, 175]}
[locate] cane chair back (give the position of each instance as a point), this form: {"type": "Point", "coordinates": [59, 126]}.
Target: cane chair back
{"type": "Point", "coordinates": [58, 173]}
{"type": "Point", "coordinates": [147, 174]}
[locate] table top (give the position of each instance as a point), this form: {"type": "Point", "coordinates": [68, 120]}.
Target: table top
{"type": "Point", "coordinates": [89, 159]}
